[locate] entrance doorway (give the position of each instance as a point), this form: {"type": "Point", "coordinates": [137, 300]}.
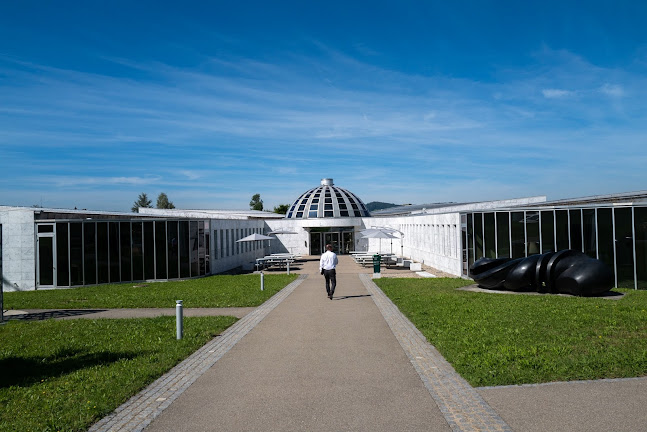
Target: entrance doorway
{"type": "Point", "coordinates": [46, 247]}
{"type": "Point", "coordinates": [332, 239]}
{"type": "Point", "coordinates": [342, 240]}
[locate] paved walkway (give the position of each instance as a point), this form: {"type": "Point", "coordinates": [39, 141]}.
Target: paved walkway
{"type": "Point", "coordinates": [302, 362]}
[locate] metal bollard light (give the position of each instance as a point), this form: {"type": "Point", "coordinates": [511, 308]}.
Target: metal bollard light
{"type": "Point", "coordinates": [262, 281]}
{"type": "Point", "coordinates": [288, 267]}
{"type": "Point", "coordinates": [178, 319]}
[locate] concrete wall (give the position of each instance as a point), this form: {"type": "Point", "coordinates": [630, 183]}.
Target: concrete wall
{"type": "Point", "coordinates": [18, 249]}
{"type": "Point", "coordinates": [433, 240]}
{"type": "Point", "coordinates": [433, 237]}
{"type": "Point", "coordinates": [293, 243]}
{"type": "Point", "coordinates": [299, 243]}
{"type": "Point", "coordinates": [240, 254]}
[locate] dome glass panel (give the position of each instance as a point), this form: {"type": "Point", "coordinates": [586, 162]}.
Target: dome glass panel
{"type": "Point", "coordinates": [327, 201]}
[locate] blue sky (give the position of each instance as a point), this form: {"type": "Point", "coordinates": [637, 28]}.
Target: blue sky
{"type": "Point", "coordinates": [406, 102]}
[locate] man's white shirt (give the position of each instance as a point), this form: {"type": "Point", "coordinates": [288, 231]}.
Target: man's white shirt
{"type": "Point", "coordinates": [328, 261]}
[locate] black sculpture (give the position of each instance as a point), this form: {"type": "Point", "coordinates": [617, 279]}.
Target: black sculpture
{"type": "Point", "coordinates": [565, 272]}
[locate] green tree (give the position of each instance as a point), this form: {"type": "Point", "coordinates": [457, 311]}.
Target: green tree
{"type": "Point", "coordinates": [163, 202]}
{"type": "Point", "coordinates": [256, 203]}
{"type": "Point", "coordinates": [281, 208]}
{"type": "Point", "coordinates": [142, 201]}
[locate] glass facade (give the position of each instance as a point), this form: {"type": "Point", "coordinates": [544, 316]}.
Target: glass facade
{"type": "Point", "coordinates": [78, 253]}
{"type": "Point", "coordinates": [615, 235]}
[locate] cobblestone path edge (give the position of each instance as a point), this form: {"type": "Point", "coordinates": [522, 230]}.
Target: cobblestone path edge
{"type": "Point", "coordinates": [463, 408]}
{"type": "Point", "coordinates": [137, 413]}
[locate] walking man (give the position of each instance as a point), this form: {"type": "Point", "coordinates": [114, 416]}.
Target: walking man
{"type": "Point", "coordinates": [327, 265]}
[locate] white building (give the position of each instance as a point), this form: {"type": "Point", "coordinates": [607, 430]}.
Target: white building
{"type": "Point", "coordinates": [53, 248]}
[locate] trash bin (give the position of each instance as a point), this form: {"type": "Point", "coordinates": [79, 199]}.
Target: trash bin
{"type": "Point", "coordinates": [376, 263]}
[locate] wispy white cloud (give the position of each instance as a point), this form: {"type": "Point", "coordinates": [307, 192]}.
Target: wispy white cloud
{"type": "Point", "coordinates": [232, 121]}
{"type": "Point", "coordinates": [612, 90]}
{"type": "Point", "coordinates": [83, 181]}
{"type": "Point", "coordinates": [557, 93]}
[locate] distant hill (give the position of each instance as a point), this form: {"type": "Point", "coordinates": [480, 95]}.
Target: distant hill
{"type": "Point", "coordinates": [377, 205]}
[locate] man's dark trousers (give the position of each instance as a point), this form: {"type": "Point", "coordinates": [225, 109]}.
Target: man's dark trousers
{"type": "Point", "coordinates": [331, 281]}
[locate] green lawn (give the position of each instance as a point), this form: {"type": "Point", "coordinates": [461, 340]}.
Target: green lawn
{"type": "Point", "coordinates": [212, 291]}
{"type": "Point", "coordinates": [497, 339]}
{"type": "Point", "coordinates": [66, 375]}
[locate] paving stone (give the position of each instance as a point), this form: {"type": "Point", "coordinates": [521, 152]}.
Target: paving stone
{"type": "Point", "coordinates": [463, 408]}
{"type": "Point", "coordinates": [136, 413]}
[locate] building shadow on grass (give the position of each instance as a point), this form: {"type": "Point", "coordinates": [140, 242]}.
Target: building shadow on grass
{"type": "Point", "coordinates": [59, 313]}
{"type": "Point", "coordinates": [25, 371]}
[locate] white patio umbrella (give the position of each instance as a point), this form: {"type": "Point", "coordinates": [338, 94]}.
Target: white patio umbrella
{"type": "Point", "coordinates": [377, 234]}
{"type": "Point", "coordinates": [387, 230]}
{"type": "Point", "coordinates": [254, 237]}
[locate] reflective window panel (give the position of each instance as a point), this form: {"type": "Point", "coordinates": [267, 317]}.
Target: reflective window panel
{"type": "Point", "coordinates": [640, 227]}
{"type": "Point", "coordinates": [46, 261]}
{"type": "Point", "coordinates": [185, 270]}
{"type": "Point", "coordinates": [114, 252]}
{"type": "Point", "coordinates": [503, 235]}
{"type": "Point", "coordinates": [547, 231]}
{"type": "Point", "coordinates": [193, 242]}
{"type": "Point", "coordinates": [172, 250]}
{"type": "Point", "coordinates": [62, 255]}
{"type": "Point", "coordinates": [624, 248]}
{"type": "Point", "coordinates": [102, 253]}
{"type": "Point", "coordinates": [478, 235]}
{"type": "Point", "coordinates": [561, 226]}
{"type": "Point", "coordinates": [126, 251]}
{"type": "Point", "coordinates": [532, 232]}
{"type": "Point", "coordinates": [605, 237]}
{"type": "Point", "coordinates": [149, 251]}
{"type": "Point", "coordinates": [138, 251]}
{"type": "Point", "coordinates": [470, 240]}
{"type": "Point", "coordinates": [89, 253]}
{"type": "Point", "coordinates": [490, 242]}
{"type": "Point", "coordinates": [518, 234]}
{"type": "Point", "coordinates": [589, 241]}
{"type": "Point", "coordinates": [576, 229]}
{"type": "Point", "coordinates": [76, 253]}
{"type": "Point", "coordinates": [160, 250]}
{"type": "Point", "coordinates": [201, 251]}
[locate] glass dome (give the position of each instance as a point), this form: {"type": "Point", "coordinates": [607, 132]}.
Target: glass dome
{"type": "Point", "coordinates": [327, 201]}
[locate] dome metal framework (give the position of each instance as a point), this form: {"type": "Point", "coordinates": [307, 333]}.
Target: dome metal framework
{"type": "Point", "coordinates": [327, 201]}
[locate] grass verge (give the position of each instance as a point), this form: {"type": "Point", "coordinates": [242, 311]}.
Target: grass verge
{"type": "Point", "coordinates": [211, 291]}
{"type": "Point", "coordinates": [66, 375]}
{"type": "Point", "coordinates": [498, 339]}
